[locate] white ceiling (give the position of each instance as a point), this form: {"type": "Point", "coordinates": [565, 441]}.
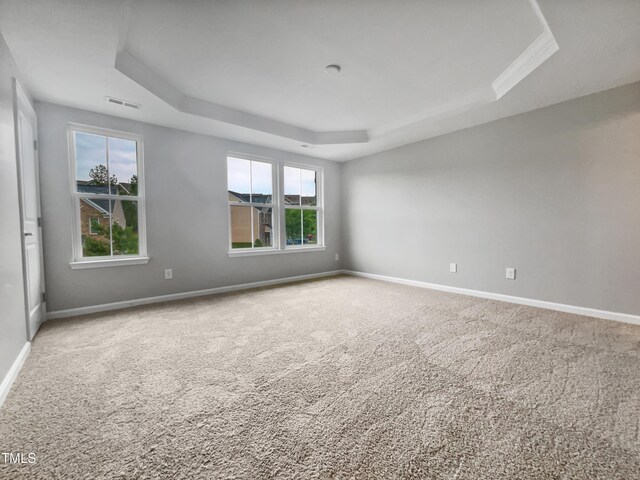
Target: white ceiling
{"type": "Point", "coordinates": [268, 58]}
{"type": "Point", "coordinates": [253, 70]}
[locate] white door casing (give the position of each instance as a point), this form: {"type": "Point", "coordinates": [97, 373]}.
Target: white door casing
{"type": "Point", "coordinates": [26, 146]}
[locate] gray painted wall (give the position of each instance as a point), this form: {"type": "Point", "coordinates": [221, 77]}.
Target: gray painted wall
{"type": "Point", "coordinates": [554, 192]}
{"type": "Point", "coordinates": [187, 227]}
{"type": "Point", "coordinates": [13, 327]}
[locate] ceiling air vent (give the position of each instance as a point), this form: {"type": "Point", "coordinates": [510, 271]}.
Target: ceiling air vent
{"type": "Point", "coordinates": [122, 103]}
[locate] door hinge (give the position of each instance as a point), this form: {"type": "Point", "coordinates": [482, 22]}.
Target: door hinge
{"type": "Point", "coordinates": [44, 297]}
{"type": "Point", "coordinates": [35, 144]}
{"type": "Point", "coordinates": [39, 221]}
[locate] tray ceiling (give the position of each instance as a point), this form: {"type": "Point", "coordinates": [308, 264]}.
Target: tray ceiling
{"type": "Point", "coordinates": [253, 71]}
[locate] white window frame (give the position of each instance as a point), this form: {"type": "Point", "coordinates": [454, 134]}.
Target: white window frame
{"type": "Point", "coordinates": [278, 220]}
{"type": "Point", "coordinates": [78, 261]}
{"type": "Point", "coordinates": [275, 230]}
{"type": "Point", "coordinates": [318, 207]}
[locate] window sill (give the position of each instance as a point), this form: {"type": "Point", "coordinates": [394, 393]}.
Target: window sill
{"type": "Point", "coordinates": [77, 265]}
{"type": "Point", "coordinates": [253, 253]}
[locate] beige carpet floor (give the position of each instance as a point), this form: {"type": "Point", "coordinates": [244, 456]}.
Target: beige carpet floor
{"type": "Point", "coordinates": [337, 378]}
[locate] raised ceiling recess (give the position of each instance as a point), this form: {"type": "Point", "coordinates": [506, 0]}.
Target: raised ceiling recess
{"type": "Point", "coordinates": [261, 65]}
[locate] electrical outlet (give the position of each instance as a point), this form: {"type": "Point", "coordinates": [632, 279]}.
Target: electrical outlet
{"type": "Point", "coordinates": [337, 257]}
{"type": "Point", "coordinates": [511, 273]}
{"type": "Point", "coordinates": [453, 267]}
{"type": "Point", "coordinates": [168, 273]}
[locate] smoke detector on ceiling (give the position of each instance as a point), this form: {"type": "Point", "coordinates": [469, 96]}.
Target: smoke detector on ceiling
{"type": "Point", "coordinates": [122, 103]}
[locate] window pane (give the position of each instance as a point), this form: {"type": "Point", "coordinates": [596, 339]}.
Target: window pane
{"type": "Point", "coordinates": [293, 224]}
{"type": "Point", "coordinates": [308, 180]}
{"type": "Point", "coordinates": [291, 186]}
{"type": "Point", "coordinates": [262, 180]}
{"type": "Point", "coordinates": [91, 162]}
{"type": "Point", "coordinates": [310, 227]}
{"type": "Point", "coordinates": [124, 227]}
{"type": "Point", "coordinates": [263, 227]}
{"type": "Point", "coordinates": [239, 179]}
{"type": "Point", "coordinates": [123, 166]}
{"type": "Point", "coordinates": [241, 235]}
{"type": "Point", "coordinates": [94, 227]}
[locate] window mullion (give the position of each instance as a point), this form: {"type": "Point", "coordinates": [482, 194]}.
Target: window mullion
{"type": "Point", "coordinates": [281, 208]}
{"type": "Point", "coordinates": [110, 229]}
{"type": "Point", "coordinates": [250, 182]}
{"type": "Point", "coordinates": [253, 240]}
{"type": "Point", "coordinates": [275, 199]}
{"type": "Point", "coordinates": [301, 210]}
{"type": "Point", "coordinates": [300, 186]}
{"type": "Point", "coordinates": [106, 145]}
{"type": "Point", "coordinates": [106, 139]}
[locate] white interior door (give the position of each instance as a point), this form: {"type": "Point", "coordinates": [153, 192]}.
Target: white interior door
{"type": "Point", "coordinates": [26, 129]}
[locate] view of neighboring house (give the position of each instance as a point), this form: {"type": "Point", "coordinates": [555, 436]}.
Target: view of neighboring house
{"type": "Point", "coordinates": [242, 224]}
{"type": "Point", "coordinates": [94, 212]}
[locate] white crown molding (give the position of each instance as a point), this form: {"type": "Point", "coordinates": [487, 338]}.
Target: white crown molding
{"type": "Point", "coordinates": [560, 307]}
{"type": "Point", "coordinates": [137, 71]}
{"type": "Point", "coordinates": [13, 372]}
{"type": "Point", "coordinates": [74, 312]}
{"type": "Point", "coordinates": [535, 55]}
{"type": "Point", "coordinates": [543, 47]}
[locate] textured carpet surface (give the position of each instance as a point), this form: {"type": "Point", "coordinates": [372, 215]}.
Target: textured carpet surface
{"type": "Point", "coordinates": [336, 378]}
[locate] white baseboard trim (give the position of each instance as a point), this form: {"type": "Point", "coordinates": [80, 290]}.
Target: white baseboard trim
{"type": "Point", "coordinates": [13, 372]}
{"type": "Point", "coordinates": [588, 312]}
{"type": "Point", "coordinates": [74, 312]}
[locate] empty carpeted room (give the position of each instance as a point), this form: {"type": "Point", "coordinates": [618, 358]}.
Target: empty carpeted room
{"type": "Point", "coordinates": [297, 239]}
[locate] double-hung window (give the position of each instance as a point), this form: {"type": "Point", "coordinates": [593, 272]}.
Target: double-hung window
{"type": "Point", "coordinates": [301, 207]}
{"type": "Point", "coordinates": [107, 185]}
{"type": "Point", "coordinates": [251, 204]}
{"type": "Point", "coordinates": [273, 207]}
